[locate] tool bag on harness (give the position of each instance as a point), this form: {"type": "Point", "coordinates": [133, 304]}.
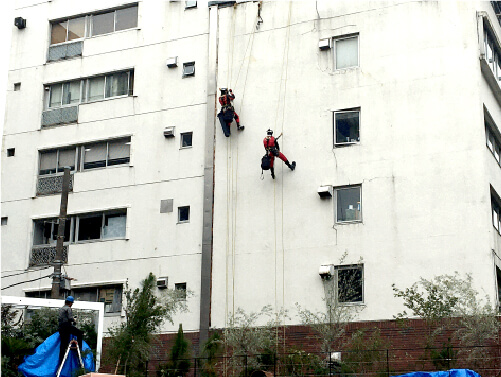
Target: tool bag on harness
{"type": "Point", "coordinates": [266, 162]}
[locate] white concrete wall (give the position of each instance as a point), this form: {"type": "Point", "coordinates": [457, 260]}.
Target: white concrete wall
{"type": "Point", "coordinates": [159, 169]}
{"type": "Point", "coordinates": [421, 159]}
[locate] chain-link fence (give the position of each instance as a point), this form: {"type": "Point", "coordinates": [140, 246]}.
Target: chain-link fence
{"type": "Point", "coordinates": [485, 360]}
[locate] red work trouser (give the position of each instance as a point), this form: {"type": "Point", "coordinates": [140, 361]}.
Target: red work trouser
{"type": "Point", "coordinates": [274, 152]}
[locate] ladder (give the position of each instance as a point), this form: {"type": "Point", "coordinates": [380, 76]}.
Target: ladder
{"type": "Point", "coordinates": [72, 345]}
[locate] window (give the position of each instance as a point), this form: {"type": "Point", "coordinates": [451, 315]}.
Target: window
{"type": "Point", "coordinates": [111, 295]}
{"type": "Point", "coordinates": [496, 211]}
{"type": "Point", "coordinates": [346, 52]}
{"type": "Point", "coordinates": [186, 139]}
{"type": "Point", "coordinates": [498, 280]}
{"type": "Point", "coordinates": [81, 228]}
{"type": "Point", "coordinates": [100, 226]}
{"type": "Point", "coordinates": [45, 231]}
{"type": "Point", "coordinates": [181, 287]}
{"type": "Point", "coordinates": [11, 152]}
{"type": "Point", "coordinates": [105, 154]}
{"type": "Point", "coordinates": [4, 220]}
{"type": "Point", "coordinates": [190, 4]}
{"type": "Point", "coordinates": [346, 127]}
{"type": "Point", "coordinates": [491, 140]}
{"type": "Point", "coordinates": [183, 214]}
{"type": "Point", "coordinates": [93, 24]}
{"type": "Point", "coordinates": [349, 283]}
{"type": "Point", "coordinates": [17, 86]}
{"type": "Point", "coordinates": [54, 161]}
{"type": "Point", "coordinates": [188, 69]}
{"type": "Point", "coordinates": [97, 88]}
{"type": "Point", "coordinates": [348, 204]}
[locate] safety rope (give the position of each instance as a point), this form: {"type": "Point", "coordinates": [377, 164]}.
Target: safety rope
{"type": "Point", "coordinates": [285, 63]}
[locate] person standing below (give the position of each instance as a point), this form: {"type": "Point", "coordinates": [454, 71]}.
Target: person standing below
{"type": "Point", "coordinates": [66, 327]}
{"type": "Point", "coordinates": [227, 113]}
{"type": "Point", "coordinates": [273, 150]}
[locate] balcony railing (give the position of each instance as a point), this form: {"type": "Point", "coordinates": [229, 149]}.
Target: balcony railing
{"type": "Point", "coordinates": [61, 115]}
{"type": "Point", "coordinates": [52, 184]}
{"type": "Point", "coordinates": [45, 254]}
{"type": "Point", "coordinates": [64, 51]}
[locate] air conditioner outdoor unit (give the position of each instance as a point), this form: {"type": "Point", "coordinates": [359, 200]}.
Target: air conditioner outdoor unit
{"type": "Point", "coordinates": [172, 62]}
{"type": "Point", "coordinates": [325, 192]}
{"type": "Point", "coordinates": [162, 283]}
{"type": "Point", "coordinates": [324, 44]}
{"type": "Point", "coordinates": [169, 131]}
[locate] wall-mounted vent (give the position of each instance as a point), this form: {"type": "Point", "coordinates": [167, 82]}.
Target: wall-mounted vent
{"type": "Point", "coordinates": [324, 44]}
{"type": "Point", "coordinates": [172, 62]}
{"type": "Point", "coordinates": [162, 283]}
{"type": "Point", "coordinates": [20, 22]}
{"type": "Point", "coordinates": [326, 271]}
{"type": "Point", "coordinates": [325, 192]}
{"type": "Point", "coordinates": [169, 131]}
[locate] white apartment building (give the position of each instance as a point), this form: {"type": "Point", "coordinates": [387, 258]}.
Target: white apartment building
{"type": "Point", "coordinates": [391, 110]}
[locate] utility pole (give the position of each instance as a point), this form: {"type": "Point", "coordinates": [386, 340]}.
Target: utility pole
{"type": "Point", "coordinates": [63, 211]}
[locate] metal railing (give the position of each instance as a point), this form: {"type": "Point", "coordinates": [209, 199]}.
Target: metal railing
{"type": "Point", "coordinates": [485, 360]}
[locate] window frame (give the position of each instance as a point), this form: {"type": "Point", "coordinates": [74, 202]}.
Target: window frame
{"type": "Point", "coordinates": [85, 89]}
{"type": "Point", "coordinates": [336, 193]}
{"type": "Point", "coordinates": [57, 150]}
{"type": "Point", "coordinates": [358, 266]}
{"type": "Point", "coordinates": [101, 229]}
{"type": "Point", "coordinates": [187, 65]}
{"type": "Point", "coordinates": [182, 137]}
{"type": "Point", "coordinates": [182, 287]}
{"type": "Point", "coordinates": [53, 220]}
{"type": "Point", "coordinates": [89, 24]}
{"type": "Point", "coordinates": [334, 127]}
{"type": "Point", "coordinates": [179, 209]}
{"type": "Point", "coordinates": [342, 38]}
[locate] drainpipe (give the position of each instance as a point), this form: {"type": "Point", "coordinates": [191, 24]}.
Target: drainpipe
{"type": "Point", "coordinates": [208, 212]}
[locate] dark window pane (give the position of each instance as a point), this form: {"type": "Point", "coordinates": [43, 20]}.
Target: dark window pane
{"type": "Point", "coordinates": [126, 18]}
{"type": "Point", "coordinates": [95, 156]}
{"type": "Point", "coordinates": [186, 140]}
{"type": "Point", "coordinates": [184, 214]}
{"type": "Point", "coordinates": [350, 285]}
{"type": "Point", "coordinates": [181, 287]}
{"type": "Point", "coordinates": [90, 227]}
{"type": "Point", "coordinates": [103, 23]}
{"type": "Point", "coordinates": [58, 32]}
{"type": "Point", "coordinates": [76, 28]}
{"type": "Point", "coordinates": [67, 228]}
{"type": "Point", "coordinates": [348, 204]}
{"type": "Point", "coordinates": [347, 127]}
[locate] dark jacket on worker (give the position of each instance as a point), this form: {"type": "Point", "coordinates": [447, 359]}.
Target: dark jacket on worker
{"type": "Point", "coordinates": [65, 316]}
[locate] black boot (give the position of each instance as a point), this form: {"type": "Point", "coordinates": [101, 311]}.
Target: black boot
{"type": "Point", "coordinates": [291, 166]}
{"type": "Point", "coordinates": [272, 170]}
{"type": "Point", "coordinates": [239, 127]}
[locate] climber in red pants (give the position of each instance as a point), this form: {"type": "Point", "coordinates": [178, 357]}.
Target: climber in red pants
{"type": "Point", "coordinates": [227, 112]}
{"type": "Point", "coordinates": [273, 150]}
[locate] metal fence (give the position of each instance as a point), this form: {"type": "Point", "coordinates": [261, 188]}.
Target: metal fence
{"type": "Point", "coordinates": [485, 360]}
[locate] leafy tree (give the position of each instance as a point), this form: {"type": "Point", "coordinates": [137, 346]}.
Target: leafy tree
{"type": "Point", "coordinates": [250, 345]}
{"type": "Point", "coordinates": [212, 348]}
{"type": "Point", "coordinates": [145, 312]}
{"type": "Point", "coordinates": [179, 358]}
{"type": "Point", "coordinates": [449, 302]}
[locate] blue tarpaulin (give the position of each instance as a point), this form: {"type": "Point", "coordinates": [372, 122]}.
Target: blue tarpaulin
{"type": "Point", "coordinates": [447, 373]}
{"type": "Point", "coordinates": [45, 361]}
